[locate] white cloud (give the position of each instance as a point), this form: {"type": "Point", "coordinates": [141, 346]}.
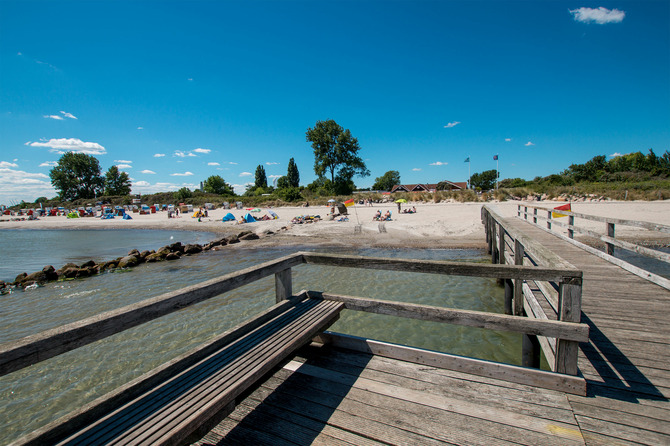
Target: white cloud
{"type": "Point", "coordinates": [147, 171]}
{"type": "Point", "coordinates": [508, 139]}
{"type": "Point", "coordinates": [158, 155]}
{"type": "Point", "coordinates": [182, 154]}
{"type": "Point", "coordinates": [17, 185]}
{"type": "Point", "coordinates": [190, 79]}
{"type": "Point", "coordinates": [141, 183]}
{"type": "Point", "coordinates": [452, 124]}
{"type": "Point", "coordinates": [614, 155]}
{"type": "Point", "coordinates": [124, 166]}
{"type": "Point", "coordinates": [140, 128]}
{"type": "Point", "coordinates": [7, 164]}
{"type": "Point", "coordinates": [416, 169]}
{"type": "Point", "coordinates": [199, 150]}
{"type": "Point", "coordinates": [56, 117]}
{"type": "Point", "coordinates": [213, 164]}
{"type": "Point", "coordinates": [49, 164]}
{"type": "Point", "coordinates": [275, 176]}
{"type": "Point", "coordinates": [64, 145]}
{"type": "Point", "coordinates": [145, 187]}
{"type": "Point", "coordinates": [123, 161]}
{"type": "Point", "coordinates": [185, 174]}
{"type": "Point", "coordinates": [233, 163]}
{"type": "Point", "coordinates": [528, 144]}
{"type": "Point", "coordinates": [68, 115]}
{"type": "Point", "coordinates": [438, 163]}
{"type": "Point", "coordinates": [270, 163]}
{"type": "Point", "coordinates": [245, 174]}
{"type": "Point", "coordinates": [601, 16]}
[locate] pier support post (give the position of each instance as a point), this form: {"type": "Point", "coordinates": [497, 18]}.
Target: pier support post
{"type": "Point", "coordinates": [518, 283]}
{"type": "Point", "coordinates": [509, 293]}
{"type": "Point", "coordinates": [610, 233]}
{"type": "Point", "coordinates": [283, 285]}
{"type": "Point", "coordinates": [530, 351]}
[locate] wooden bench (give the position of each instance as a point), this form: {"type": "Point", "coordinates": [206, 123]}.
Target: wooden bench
{"type": "Point", "coordinates": [167, 404]}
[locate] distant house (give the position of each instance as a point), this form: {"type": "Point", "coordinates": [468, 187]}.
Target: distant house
{"type": "Point", "coordinates": [428, 187]}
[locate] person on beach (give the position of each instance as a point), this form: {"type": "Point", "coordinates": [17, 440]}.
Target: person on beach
{"type": "Point", "coordinates": [378, 215]}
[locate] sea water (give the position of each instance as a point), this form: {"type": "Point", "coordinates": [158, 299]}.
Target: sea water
{"type": "Point", "coordinates": [39, 394]}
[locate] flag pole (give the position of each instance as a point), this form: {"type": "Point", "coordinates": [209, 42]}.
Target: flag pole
{"type": "Point", "coordinates": [469, 176]}
{"type": "Point", "coordinates": [497, 172]}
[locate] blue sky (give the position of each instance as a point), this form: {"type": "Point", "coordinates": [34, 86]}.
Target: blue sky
{"type": "Point", "coordinates": [173, 92]}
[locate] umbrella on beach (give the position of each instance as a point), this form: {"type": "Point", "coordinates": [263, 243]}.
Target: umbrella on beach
{"type": "Point", "coordinates": [401, 200]}
{"type": "Point", "coordinates": [332, 201]}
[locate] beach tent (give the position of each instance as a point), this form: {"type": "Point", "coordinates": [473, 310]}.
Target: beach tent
{"type": "Point", "coordinates": [249, 219]}
{"type": "Point", "coordinates": [273, 214]}
{"type": "Point", "coordinates": [73, 214]}
{"type": "Point", "coordinates": [229, 217]}
{"type": "Point", "coordinates": [107, 217]}
{"type": "Point", "coordinates": [126, 217]}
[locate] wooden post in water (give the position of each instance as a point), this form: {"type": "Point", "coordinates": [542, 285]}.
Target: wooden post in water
{"type": "Point", "coordinates": [283, 285]}
{"type": "Point", "coordinates": [548, 219]}
{"type": "Point", "coordinates": [571, 222]}
{"type": "Point", "coordinates": [569, 310]}
{"type": "Point", "coordinates": [501, 244]}
{"type": "Point", "coordinates": [518, 283]}
{"type": "Point", "coordinates": [509, 294]}
{"type": "Point", "coordinates": [530, 351]}
{"type": "Point", "coordinates": [610, 233]}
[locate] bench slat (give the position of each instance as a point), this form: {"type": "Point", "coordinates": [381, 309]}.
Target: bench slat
{"type": "Point", "coordinates": [168, 413]}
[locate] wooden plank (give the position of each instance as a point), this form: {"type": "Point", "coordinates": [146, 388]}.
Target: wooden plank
{"type": "Point", "coordinates": [531, 377]}
{"type": "Point", "coordinates": [443, 267]}
{"type": "Point", "coordinates": [39, 347]}
{"type": "Point", "coordinates": [469, 318]}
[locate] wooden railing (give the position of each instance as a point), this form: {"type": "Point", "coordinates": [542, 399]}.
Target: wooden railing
{"type": "Point", "coordinates": [545, 215]}
{"type": "Point", "coordinates": [540, 298]}
{"type": "Point", "coordinates": [566, 331]}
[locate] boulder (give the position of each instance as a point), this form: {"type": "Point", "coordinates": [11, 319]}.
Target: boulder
{"type": "Point", "coordinates": [164, 250]}
{"type": "Point", "coordinates": [192, 249]}
{"type": "Point", "coordinates": [20, 278]}
{"type": "Point", "coordinates": [172, 256]}
{"type": "Point", "coordinates": [157, 256]}
{"type": "Point", "coordinates": [87, 264]}
{"type": "Point", "coordinates": [108, 265]}
{"type": "Point", "coordinates": [242, 234]}
{"type": "Point", "coordinates": [233, 239]}
{"type": "Point", "coordinates": [250, 236]}
{"type": "Point", "coordinates": [176, 247]}
{"type": "Point", "coordinates": [134, 252]}
{"type": "Point", "coordinates": [129, 261]}
{"type": "Point", "coordinates": [37, 277]}
{"type": "Point", "coordinates": [68, 273]}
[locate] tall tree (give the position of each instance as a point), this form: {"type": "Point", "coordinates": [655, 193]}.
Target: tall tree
{"type": "Point", "coordinates": [485, 180]}
{"type": "Point", "coordinates": [77, 175]}
{"type": "Point", "coordinates": [292, 174]}
{"type": "Point", "coordinates": [261, 178]}
{"type": "Point", "coordinates": [335, 152]}
{"type": "Point", "coordinates": [387, 181]}
{"type": "Point", "coordinates": [217, 185]}
{"type": "Point", "coordinates": [117, 182]}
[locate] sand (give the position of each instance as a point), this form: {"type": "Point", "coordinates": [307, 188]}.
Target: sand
{"type": "Point", "coordinates": [435, 225]}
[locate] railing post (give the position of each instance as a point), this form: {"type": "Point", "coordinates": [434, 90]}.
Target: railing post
{"type": "Point", "coordinates": [530, 351]}
{"type": "Point", "coordinates": [518, 210]}
{"type": "Point", "coordinates": [489, 242]}
{"type": "Point", "coordinates": [610, 233]}
{"type": "Point", "coordinates": [535, 215]}
{"type": "Point", "coordinates": [519, 253]}
{"type": "Point", "coordinates": [525, 212]}
{"type": "Point", "coordinates": [569, 310]}
{"type": "Point", "coordinates": [571, 222]}
{"type": "Point", "coordinates": [501, 244]}
{"type": "Point", "coordinates": [548, 219]}
{"type": "Point", "coordinates": [283, 285]}
{"type": "Point", "coordinates": [509, 294]}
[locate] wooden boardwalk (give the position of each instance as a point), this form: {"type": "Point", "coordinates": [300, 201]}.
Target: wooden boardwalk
{"type": "Point", "coordinates": [329, 395]}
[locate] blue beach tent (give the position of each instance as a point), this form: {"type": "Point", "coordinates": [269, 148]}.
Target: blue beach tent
{"type": "Point", "coordinates": [126, 217]}
{"type": "Point", "coordinates": [229, 217]}
{"type": "Point", "coordinates": [249, 219]}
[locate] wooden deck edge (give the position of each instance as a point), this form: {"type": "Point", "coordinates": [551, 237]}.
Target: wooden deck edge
{"type": "Point", "coordinates": [58, 428]}
{"type": "Point", "coordinates": [520, 375]}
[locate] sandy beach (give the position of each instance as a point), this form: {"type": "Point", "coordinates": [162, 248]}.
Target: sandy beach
{"type": "Point", "coordinates": [434, 225]}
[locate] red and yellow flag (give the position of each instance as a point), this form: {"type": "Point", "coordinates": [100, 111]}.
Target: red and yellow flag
{"type": "Point", "coordinates": [349, 202]}
{"type": "Point", "coordinates": [565, 207]}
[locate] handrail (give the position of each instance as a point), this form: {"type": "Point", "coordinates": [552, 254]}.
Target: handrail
{"type": "Point", "coordinates": [609, 239]}
{"type": "Point", "coordinates": [29, 350]}
{"type": "Point", "coordinates": [507, 244]}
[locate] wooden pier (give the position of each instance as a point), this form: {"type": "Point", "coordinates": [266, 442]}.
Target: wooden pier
{"type": "Point", "coordinates": [602, 330]}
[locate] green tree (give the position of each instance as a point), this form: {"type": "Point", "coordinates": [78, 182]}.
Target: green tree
{"type": "Point", "coordinates": [261, 178]}
{"type": "Point", "coordinates": [41, 200]}
{"type": "Point", "coordinates": [485, 180]}
{"type": "Point", "coordinates": [283, 182]}
{"type": "Point", "coordinates": [292, 174]}
{"type": "Point", "coordinates": [76, 175]}
{"type": "Point", "coordinates": [183, 194]}
{"type": "Point", "coordinates": [217, 185]}
{"type": "Point", "coordinates": [335, 152]}
{"type": "Point", "coordinates": [117, 182]}
{"type": "Point", "coordinates": [387, 181]}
